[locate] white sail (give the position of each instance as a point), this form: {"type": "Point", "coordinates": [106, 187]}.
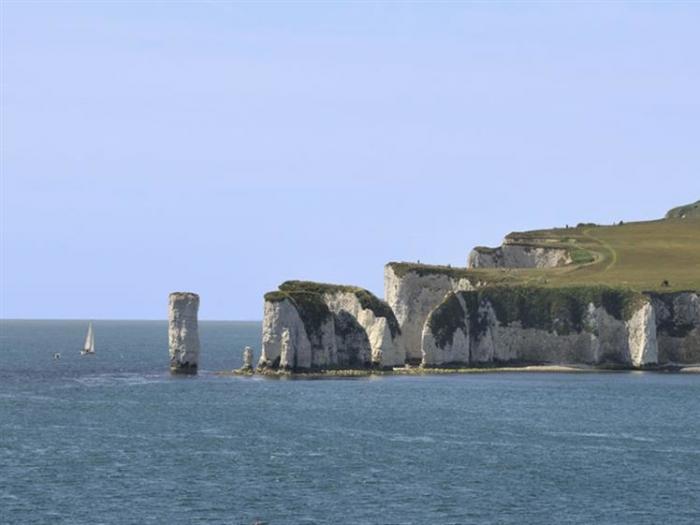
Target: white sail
{"type": "Point", "coordinates": [89, 346]}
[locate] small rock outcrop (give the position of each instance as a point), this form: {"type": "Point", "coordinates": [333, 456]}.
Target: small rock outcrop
{"type": "Point", "coordinates": [530, 325]}
{"type": "Point", "coordinates": [183, 332]}
{"type": "Point", "coordinates": [247, 358]}
{"type": "Point", "coordinates": [512, 255]}
{"type": "Point", "coordinates": [316, 326]}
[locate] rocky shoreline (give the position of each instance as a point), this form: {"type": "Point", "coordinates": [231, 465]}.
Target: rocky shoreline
{"type": "Point", "coordinates": [421, 371]}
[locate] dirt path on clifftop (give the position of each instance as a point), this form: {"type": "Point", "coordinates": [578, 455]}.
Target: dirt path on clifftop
{"type": "Point", "coordinates": [610, 255]}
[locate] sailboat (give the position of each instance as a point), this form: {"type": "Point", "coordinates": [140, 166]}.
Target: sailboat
{"type": "Point", "coordinates": [89, 346]}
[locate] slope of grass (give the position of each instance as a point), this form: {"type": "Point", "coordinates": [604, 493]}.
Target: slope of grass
{"type": "Point", "coordinates": [653, 255]}
{"type": "Point", "coordinates": [661, 255]}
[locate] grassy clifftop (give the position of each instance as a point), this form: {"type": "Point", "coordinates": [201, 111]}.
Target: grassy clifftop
{"type": "Point", "coordinates": [662, 255]}
{"type": "Point", "coordinates": [312, 293]}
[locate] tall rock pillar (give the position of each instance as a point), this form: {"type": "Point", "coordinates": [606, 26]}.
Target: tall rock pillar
{"type": "Point", "coordinates": [248, 358]}
{"type": "Point", "coordinates": [183, 333]}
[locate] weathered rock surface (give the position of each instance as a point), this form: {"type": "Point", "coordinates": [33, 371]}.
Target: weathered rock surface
{"type": "Point", "coordinates": [183, 333]}
{"type": "Point", "coordinates": [641, 329]}
{"type": "Point", "coordinates": [440, 316]}
{"type": "Point", "coordinates": [512, 255]}
{"type": "Point", "coordinates": [319, 326]}
{"type": "Point", "coordinates": [379, 325]}
{"type": "Point", "coordinates": [412, 292]}
{"type": "Point", "coordinates": [537, 325]}
{"type": "Point", "coordinates": [285, 344]}
{"type": "Point", "coordinates": [247, 358]}
{"type": "Point", "coordinates": [678, 327]}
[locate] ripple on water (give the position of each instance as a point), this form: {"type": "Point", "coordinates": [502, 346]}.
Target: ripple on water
{"type": "Point", "coordinates": [112, 379]}
{"type": "Point", "coordinates": [82, 442]}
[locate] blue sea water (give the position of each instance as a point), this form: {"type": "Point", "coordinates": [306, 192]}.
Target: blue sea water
{"type": "Point", "coordinates": [114, 439]}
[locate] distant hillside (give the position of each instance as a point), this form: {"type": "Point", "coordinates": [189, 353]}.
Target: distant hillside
{"type": "Point", "coordinates": [651, 255]}
{"type": "Point", "coordinates": [658, 255]}
{"type": "Point", "coordinates": [661, 255]}
{"type": "Point", "coordinates": [681, 212]}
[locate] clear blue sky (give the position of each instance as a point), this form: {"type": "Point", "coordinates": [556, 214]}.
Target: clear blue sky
{"type": "Point", "coordinates": [224, 148]}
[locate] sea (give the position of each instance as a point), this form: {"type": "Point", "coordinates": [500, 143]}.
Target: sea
{"type": "Point", "coordinates": [115, 439]}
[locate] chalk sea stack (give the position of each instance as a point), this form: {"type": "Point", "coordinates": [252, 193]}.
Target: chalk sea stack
{"type": "Point", "coordinates": [183, 333]}
{"type": "Point", "coordinates": [247, 358]}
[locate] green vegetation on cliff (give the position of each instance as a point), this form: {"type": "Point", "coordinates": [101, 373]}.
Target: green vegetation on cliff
{"type": "Point", "coordinates": [560, 310]}
{"type": "Point", "coordinates": [683, 212]}
{"type": "Point", "coordinates": [451, 315]}
{"type": "Point", "coordinates": [367, 299]}
{"type": "Point", "coordinates": [312, 309]}
{"type": "Point", "coordinates": [446, 319]}
{"type": "Point", "coordinates": [401, 269]}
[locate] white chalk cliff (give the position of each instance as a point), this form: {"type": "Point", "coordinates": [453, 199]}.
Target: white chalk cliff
{"type": "Point", "coordinates": [413, 292]}
{"type": "Point", "coordinates": [466, 330]}
{"type": "Point", "coordinates": [436, 317]}
{"type": "Point", "coordinates": [385, 349]}
{"type": "Point", "coordinates": [318, 326]}
{"type": "Point", "coordinates": [513, 255]}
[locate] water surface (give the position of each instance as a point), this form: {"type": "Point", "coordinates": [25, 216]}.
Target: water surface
{"type": "Point", "coordinates": [114, 439]}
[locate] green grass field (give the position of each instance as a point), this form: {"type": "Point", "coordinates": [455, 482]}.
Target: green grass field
{"type": "Point", "coordinates": [662, 255]}
{"type": "Point", "coordinates": [641, 255]}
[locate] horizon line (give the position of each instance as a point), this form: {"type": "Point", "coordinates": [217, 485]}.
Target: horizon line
{"type": "Point", "coordinates": [120, 319]}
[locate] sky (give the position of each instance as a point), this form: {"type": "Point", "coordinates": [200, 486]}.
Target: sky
{"type": "Point", "coordinates": [223, 148]}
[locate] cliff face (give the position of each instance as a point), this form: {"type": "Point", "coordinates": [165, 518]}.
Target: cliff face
{"type": "Point", "coordinates": [375, 323]}
{"type": "Point", "coordinates": [285, 342]}
{"type": "Point", "coordinates": [538, 325]}
{"type": "Point", "coordinates": [445, 319]}
{"type": "Point", "coordinates": [318, 326]}
{"type": "Point", "coordinates": [183, 332]}
{"type": "Point", "coordinates": [678, 326]}
{"type": "Point", "coordinates": [413, 292]}
{"type": "Point", "coordinates": [518, 256]}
